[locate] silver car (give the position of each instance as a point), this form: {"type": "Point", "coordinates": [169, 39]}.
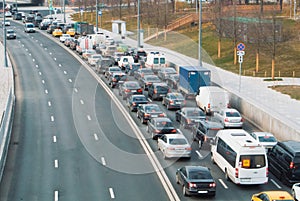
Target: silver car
{"type": "Point", "coordinates": [229, 118]}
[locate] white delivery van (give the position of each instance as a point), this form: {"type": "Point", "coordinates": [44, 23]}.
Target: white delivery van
{"type": "Point", "coordinates": [155, 61]}
{"type": "Point", "coordinates": [212, 99]}
{"type": "Point", "coordinates": [241, 158]}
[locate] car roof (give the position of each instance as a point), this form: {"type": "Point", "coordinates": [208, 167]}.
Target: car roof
{"type": "Point", "coordinates": [292, 146]}
{"type": "Point", "coordinates": [190, 108]}
{"type": "Point", "coordinates": [263, 133]}
{"type": "Point", "coordinates": [275, 195]}
{"type": "Point", "coordinates": [230, 110]}
{"type": "Point", "coordinates": [175, 136]}
{"type": "Point", "coordinates": [162, 119]}
{"type": "Point", "coordinates": [198, 167]}
{"type": "Point", "coordinates": [160, 84]}
{"type": "Point", "coordinates": [212, 124]}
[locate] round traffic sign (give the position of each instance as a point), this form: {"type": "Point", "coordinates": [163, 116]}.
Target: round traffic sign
{"type": "Point", "coordinates": [241, 46]}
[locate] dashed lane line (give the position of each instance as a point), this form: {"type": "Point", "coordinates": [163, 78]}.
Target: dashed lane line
{"type": "Point", "coordinates": [55, 195]}
{"type": "Point", "coordinates": [223, 183]}
{"type": "Point", "coordinates": [111, 192]}
{"type": "Point", "coordinates": [54, 139]}
{"type": "Point", "coordinates": [275, 183]}
{"type": "Point", "coordinates": [56, 163]}
{"type": "Point", "coordinates": [103, 161]}
{"type": "Point", "coordinates": [96, 137]}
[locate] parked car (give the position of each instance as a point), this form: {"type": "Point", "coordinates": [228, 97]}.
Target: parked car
{"type": "Point", "coordinates": [188, 116]}
{"type": "Point", "coordinates": [296, 191]}
{"type": "Point", "coordinates": [29, 28]}
{"type": "Point", "coordinates": [87, 53]}
{"type": "Point", "coordinates": [135, 100]}
{"type": "Point", "coordinates": [111, 70]}
{"type": "Point", "coordinates": [158, 90]}
{"type": "Point", "coordinates": [272, 196]}
{"type": "Point", "coordinates": [173, 81]}
{"type": "Point", "coordinates": [266, 139]}
{"type": "Point", "coordinates": [174, 145]}
{"type": "Point", "coordinates": [92, 60]}
{"type": "Point", "coordinates": [148, 111]}
{"type": "Point", "coordinates": [63, 37]}
{"type": "Point", "coordinates": [229, 117]}
{"type": "Point", "coordinates": [205, 131]}
{"type": "Point", "coordinates": [196, 180]}
{"type": "Point", "coordinates": [11, 34]}
{"type": "Point", "coordinates": [117, 78]}
{"type": "Point", "coordinates": [148, 80]}
{"type": "Point", "coordinates": [164, 73]}
{"type": "Point", "coordinates": [142, 72]}
{"type": "Point", "coordinates": [57, 33]}
{"type": "Point", "coordinates": [160, 125]}
{"type": "Point", "coordinates": [174, 100]}
{"type": "Point", "coordinates": [284, 161]}
{"type": "Point", "coordinates": [128, 88]}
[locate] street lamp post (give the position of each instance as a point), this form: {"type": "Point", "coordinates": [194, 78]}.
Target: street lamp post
{"type": "Point", "coordinates": [4, 36]}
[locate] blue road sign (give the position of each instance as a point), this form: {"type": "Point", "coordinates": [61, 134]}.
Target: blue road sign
{"type": "Point", "coordinates": [241, 47]}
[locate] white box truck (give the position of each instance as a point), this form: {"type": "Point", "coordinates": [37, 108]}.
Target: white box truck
{"type": "Point", "coordinates": [212, 98]}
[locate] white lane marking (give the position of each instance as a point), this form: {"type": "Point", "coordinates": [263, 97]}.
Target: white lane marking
{"type": "Point", "coordinates": [52, 118]}
{"type": "Point", "coordinates": [223, 183]}
{"type": "Point", "coordinates": [45, 48]}
{"type": "Point", "coordinates": [76, 90]}
{"type": "Point", "coordinates": [89, 117]}
{"type": "Point", "coordinates": [36, 66]}
{"type": "Point", "coordinates": [49, 103]}
{"type": "Point", "coordinates": [112, 195]}
{"type": "Point", "coordinates": [149, 100]}
{"type": "Point", "coordinates": [40, 73]}
{"type": "Point", "coordinates": [199, 154]}
{"type": "Point", "coordinates": [46, 91]}
{"type": "Point", "coordinates": [59, 65]}
{"type": "Point", "coordinates": [275, 183]}
{"type": "Point", "coordinates": [26, 50]}
{"type": "Point", "coordinates": [43, 81]}
{"type": "Point", "coordinates": [55, 195]}
{"type": "Point", "coordinates": [29, 54]}
{"type": "Point", "coordinates": [33, 60]}
{"type": "Point", "coordinates": [96, 137]}
{"type": "Point", "coordinates": [41, 44]}
{"type": "Point", "coordinates": [82, 102]}
{"type": "Point", "coordinates": [65, 72]}
{"type": "Point", "coordinates": [54, 139]}
{"type": "Point", "coordinates": [103, 161]}
{"type": "Point", "coordinates": [56, 163]}
{"type": "Point", "coordinates": [36, 41]}
{"type": "Point", "coordinates": [50, 53]}
{"type": "Point", "coordinates": [54, 59]}
{"type": "Point", "coordinates": [70, 80]}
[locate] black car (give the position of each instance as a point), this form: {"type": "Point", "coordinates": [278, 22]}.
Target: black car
{"type": "Point", "coordinates": [196, 180]}
{"type": "Point", "coordinates": [135, 100]}
{"type": "Point", "coordinates": [284, 161]}
{"type": "Point", "coordinates": [148, 111]}
{"type": "Point", "coordinates": [174, 100]}
{"type": "Point", "coordinates": [205, 131]}
{"type": "Point", "coordinates": [44, 25]}
{"type": "Point", "coordinates": [148, 80]}
{"type": "Point", "coordinates": [158, 90]}
{"type": "Point", "coordinates": [173, 81]}
{"type": "Point", "coordinates": [117, 78]}
{"type": "Point", "coordinates": [188, 116]}
{"type": "Point", "coordinates": [17, 16]}
{"type": "Point", "coordinates": [160, 125]}
{"type": "Point", "coordinates": [128, 88]}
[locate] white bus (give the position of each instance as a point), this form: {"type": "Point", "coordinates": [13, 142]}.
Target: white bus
{"type": "Point", "coordinates": [240, 157]}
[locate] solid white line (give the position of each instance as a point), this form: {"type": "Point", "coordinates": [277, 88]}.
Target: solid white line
{"type": "Point", "coordinates": [274, 182]}
{"type": "Point", "coordinates": [52, 118]}
{"type": "Point", "coordinates": [65, 72]}
{"type": "Point", "coordinates": [49, 103]}
{"type": "Point", "coordinates": [223, 183]}
{"type": "Point", "coordinates": [149, 100]}
{"type": "Point", "coordinates": [70, 80]}
{"type": "Point", "coordinates": [198, 153]}
{"type": "Point", "coordinates": [75, 89]}
{"type": "Point", "coordinates": [46, 91]}
{"type": "Point", "coordinates": [89, 117]}
{"type": "Point", "coordinates": [55, 195]}
{"type": "Point", "coordinates": [103, 161]}
{"type": "Point", "coordinates": [112, 195]}
{"type": "Point", "coordinates": [56, 163]}
{"type": "Point", "coordinates": [54, 139]}
{"type": "Point", "coordinates": [82, 102]}
{"type": "Point", "coordinates": [96, 137]}
{"type": "Point", "coordinates": [43, 81]}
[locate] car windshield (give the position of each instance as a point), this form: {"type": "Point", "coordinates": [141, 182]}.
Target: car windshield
{"type": "Point", "coordinates": [30, 25]}
{"type": "Point", "coordinates": [196, 174]}
{"type": "Point", "coordinates": [96, 56]}
{"type": "Point", "coordinates": [194, 113]}
{"type": "Point", "coordinates": [152, 78]}
{"type": "Point", "coordinates": [164, 124]}
{"type": "Point", "coordinates": [252, 161]}
{"type": "Point", "coordinates": [114, 69]}
{"type": "Point", "coordinates": [146, 71]}
{"type": "Point", "coordinates": [152, 108]}
{"type": "Point", "coordinates": [267, 139]}
{"type": "Point", "coordinates": [177, 141]}
{"type": "Point", "coordinates": [232, 114]}
{"type": "Point", "coordinates": [162, 88]}
{"type": "Point", "coordinates": [10, 31]}
{"type": "Point", "coordinates": [170, 70]}
{"type": "Point", "coordinates": [139, 99]}
{"type": "Point", "coordinates": [176, 96]}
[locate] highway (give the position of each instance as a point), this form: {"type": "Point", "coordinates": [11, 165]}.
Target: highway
{"type": "Point", "coordinates": [73, 142]}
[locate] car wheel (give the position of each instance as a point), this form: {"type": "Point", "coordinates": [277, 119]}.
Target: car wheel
{"type": "Point", "coordinates": [200, 144]}
{"type": "Point", "coordinates": [124, 97]}
{"type": "Point", "coordinates": [177, 179]}
{"type": "Point", "coordinates": [162, 102]}
{"type": "Point", "coordinates": [294, 195]}
{"type": "Point", "coordinates": [184, 191]}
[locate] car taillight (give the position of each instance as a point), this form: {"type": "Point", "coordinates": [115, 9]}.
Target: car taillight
{"type": "Point", "coordinates": [147, 115]}
{"type": "Point", "coordinates": [171, 148]}
{"type": "Point", "coordinates": [205, 138]}
{"type": "Point", "coordinates": [242, 119]}
{"type": "Point", "coordinates": [267, 172]}
{"type": "Point", "coordinates": [192, 185]}
{"type": "Point", "coordinates": [212, 185]}
{"type": "Point", "coordinates": [127, 90]}
{"type": "Point", "coordinates": [292, 165]}
{"type": "Point", "coordinates": [173, 131]}
{"type": "Point", "coordinates": [169, 91]}
{"type": "Point", "coordinates": [155, 91]}
{"type": "Point", "coordinates": [226, 120]}
{"type": "Point", "coordinates": [162, 115]}
{"type": "Point", "coordinates": [140, 90]}
{"type": "Point", "coordinates": [236, 173]}
{"type": "Point", "coordinates": [188, 121]}
{"type": "Point", "coordinates": [156, 131]}
{"type": "Point", "coordinates": [114, 79]}
{"type": "Point", "coordinates": [184, 102]}
{"type": "Point", "coordinates": [208, 106]}
{"type": "Point", "coordinates": [133, 103]}
{"type": "Point", "coordinates": [188, 148]}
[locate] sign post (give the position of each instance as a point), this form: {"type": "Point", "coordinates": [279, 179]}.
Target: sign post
{"type": "Point", "coordinates": [240, 53]}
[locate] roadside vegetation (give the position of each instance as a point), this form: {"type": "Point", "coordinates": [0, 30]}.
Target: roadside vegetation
{"type": "Point", "coordinates": [184, 39]}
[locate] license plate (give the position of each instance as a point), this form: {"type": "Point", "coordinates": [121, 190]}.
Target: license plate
{"type": "Point", "coordinates": [202, 191]}
{"type": "Point", "coordinates": [197, 120]}
{"type": "Point", "coordinates": [161, 95]}
{"type": "Point", "coordinates": [133, 90]}
{"type": "Point", "coordinates": [179, 149]}
{"type": "Point", "coordinates": [177, 102]}
{"type": "Point", "coordinates": [245, 179]}
{"type": "Point", "coordinates": [154, 115]}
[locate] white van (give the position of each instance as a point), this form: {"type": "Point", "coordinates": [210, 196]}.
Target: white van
{"type": "Point", "coordinates": [212, 99]}
{"type": "Point", "coordinates": [155, 61]}
{"type": "Point", "coordinates": [241, 158]}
